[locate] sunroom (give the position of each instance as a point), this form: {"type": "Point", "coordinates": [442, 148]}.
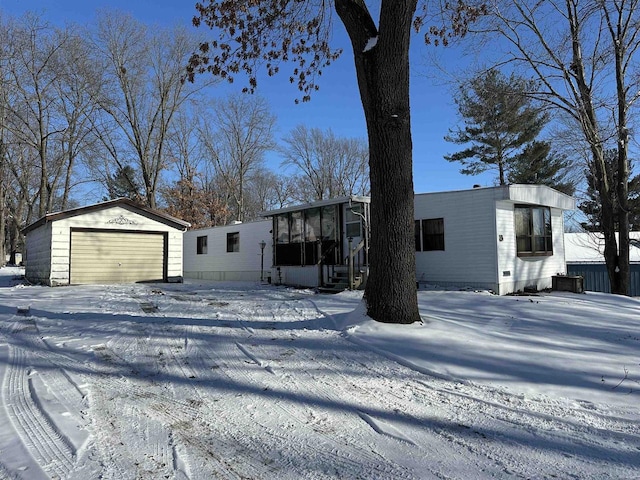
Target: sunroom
{"type": "Point", "coordinates": [321, 244]}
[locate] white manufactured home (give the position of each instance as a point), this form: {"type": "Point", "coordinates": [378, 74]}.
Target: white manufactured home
{"type": "Point", "coordinates": [237, 252]}
{"type": "Point", "coordinates": [504, 239]}
{"type": "Point", "coordinates": [117, 241]}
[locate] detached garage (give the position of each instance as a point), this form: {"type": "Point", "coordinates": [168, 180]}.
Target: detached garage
{"type": "Point", "coordinates": [111, 242]}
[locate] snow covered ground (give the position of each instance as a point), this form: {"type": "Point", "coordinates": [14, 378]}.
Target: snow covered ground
{"type": "Point", "coordinates": [211, 380]}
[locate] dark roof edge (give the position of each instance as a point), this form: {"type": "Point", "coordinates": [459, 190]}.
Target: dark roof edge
{"type": "Point", "coordinates": [155, 214]}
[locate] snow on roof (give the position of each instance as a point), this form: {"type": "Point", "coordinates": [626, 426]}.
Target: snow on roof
{"type": "Point", "coordinates": [589, 247]}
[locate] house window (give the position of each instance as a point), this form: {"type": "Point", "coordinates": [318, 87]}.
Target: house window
{"type": "Point", "coordinates": [296, 227]}
{"type": "Point", "coordinates": [312, 225]}
{"type": "Point", "coordinates": [233, 242]}
{"type": "Point", "coordinates": [201, 245]}
{"type": "Point", "coordinates": [282, 228]}
{"type": "Point", "coordinates": [328, 222]}
{"type": "Point", "coordinates": [432, 234]}
{"type": "Point", "coordinates": [418, 237]}
{"type": "Point", "coordinates": [533, 231]}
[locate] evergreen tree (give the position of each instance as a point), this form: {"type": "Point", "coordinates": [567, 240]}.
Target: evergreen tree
{"type": "Point", "coordinates": [124, 184]}
{"type": "Point", "coordinates": [537, 164]}
{"type": "Point", "coordinates": [592, 208]}
{"type": "Point", "coordinates": [500, 123]}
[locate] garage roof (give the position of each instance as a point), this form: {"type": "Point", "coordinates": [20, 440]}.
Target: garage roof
{"type": "Point", "coordinates": [120, 202]}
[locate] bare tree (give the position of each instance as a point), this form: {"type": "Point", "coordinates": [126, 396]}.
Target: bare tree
{"type": "Point", "coordinates": [329, 166]}
{"type": "Point", "coordinates": [32, 116]}
{"type": "Point", "coordinates": [236, 138]}
{"type": "Point", "coordinates": [145, 89]}
{"type": "Point", "coordinates": [77, 84]}
{"type": "Point", "coordinates": [584, 56]}
{"type": "Point", "coordinates": [268, 190]}
{"type": "Point", "coordinates": [4, 168]}
{"type": "Point", "coordinates": [249, 35]}
{"type": "Point", "coordinates": [183, 146]}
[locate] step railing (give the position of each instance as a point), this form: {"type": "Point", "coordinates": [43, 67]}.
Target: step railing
{"type": "Point", "coordinates": [354, 282]}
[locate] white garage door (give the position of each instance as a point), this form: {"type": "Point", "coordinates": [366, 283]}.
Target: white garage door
{"type": "Point", "coordinates": [116, 257]}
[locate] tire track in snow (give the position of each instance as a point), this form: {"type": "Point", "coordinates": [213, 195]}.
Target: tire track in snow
{"type": "Point", "coordinates": [47, 446]}
{"type": "Point", "coordinates": [224, 355]}
{"type": "Point", "coordinates": [329, 407]}
{"type": "Point", "coordinates": [193, 426]}
{"type": "Point", "coordinates": [499, 435]}
{"type": "Point", "coordinates": [116, 393]}
{"type": "Point", "coordinates": [117, 462]}
{"type": "Point", "coordinates": [347, 452]}
{"type": "Point", "coordinates": [187, 421]}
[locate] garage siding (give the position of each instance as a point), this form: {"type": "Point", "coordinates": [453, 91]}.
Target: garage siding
{"type": "Point", "coordinates": [38, 255]}
{"type": "Point", "coordinates": [117, 257]}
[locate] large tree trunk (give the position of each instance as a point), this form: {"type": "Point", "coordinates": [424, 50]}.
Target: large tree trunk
{"type": "Point", "coordinates": [383, 80]}
{"type": "Point", "coordinates": [620, 282]}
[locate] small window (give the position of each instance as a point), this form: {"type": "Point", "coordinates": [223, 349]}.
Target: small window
{"type": "Point", "coordinates": [533, 231]}
{"type": "Point", "coordinates": [433, 234]}
{"type": "Point", "coordinates": [201, 245]}
{"type": "Point", "coordinates": [233, 242]}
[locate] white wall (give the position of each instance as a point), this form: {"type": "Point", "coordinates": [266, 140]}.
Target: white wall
{"type": "Point", "coordinates": [469, 257]}
{"type": "Point", "coordinates": [515, 273]}
{"type": "Point", "coordinates": [112, 218]}
{"type": "Point", "coordinates": [307, 276]}
{"type": "Point", "coordinates": [38, 255]}
{"type": "Point", "coordinates": [217, 263]}
{"type": "Point", "coordinates": [474, 255]}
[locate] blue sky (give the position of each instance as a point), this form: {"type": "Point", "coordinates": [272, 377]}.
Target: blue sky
{"type": "Point", "coordinates": [337, 104]}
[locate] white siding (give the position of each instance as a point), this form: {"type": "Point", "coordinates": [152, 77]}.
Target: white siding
{"type": "Point", "coordinates": [469, 257]}
{"type": "Point", "coordinates": [516, 273]}
{"type": "Point", "coordinates": [307, 276]}
{"type": "Point", "coordinates": [217, 263]}
{"type": "Point", "coordinates": [38, 255]}
{"type": "Point", "coordinates": [174, 256]}
{"type": "Point", "coordinates": [539, 195]}
{"type": "Point", "coordinates": [474, 222]}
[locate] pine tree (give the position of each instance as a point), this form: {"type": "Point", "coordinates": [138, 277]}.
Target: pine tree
{"type": "Point", "coordinates": [537, 164]}
{"type": "Point", "coordinates": [591, 207]}
{"type": "Point", "coordinates": [500, 122]}
{"type": "Point", "coordinates": [124, 184]}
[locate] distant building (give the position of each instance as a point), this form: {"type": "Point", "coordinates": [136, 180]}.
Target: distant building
{"type": "Point", "coordinates": [585, 257]}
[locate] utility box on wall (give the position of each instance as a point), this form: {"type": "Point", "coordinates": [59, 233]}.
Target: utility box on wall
{"type": "Point", "coordinates": [568, 283]}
